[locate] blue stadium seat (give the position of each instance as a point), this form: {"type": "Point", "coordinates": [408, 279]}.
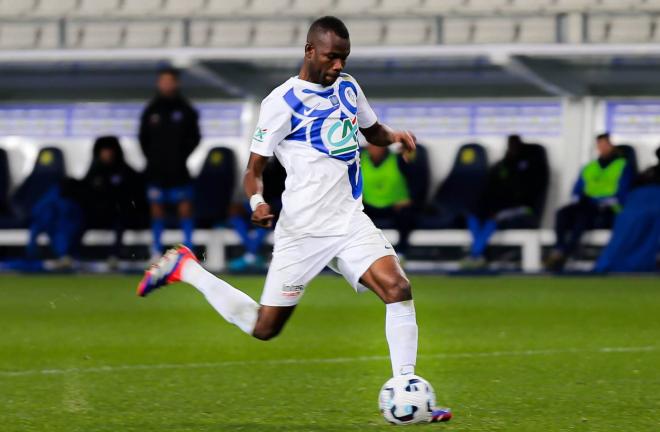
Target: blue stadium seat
{"type": "Point", "coordinates": [418, 176]}
{"type": "Point", "coordinates": [538, 157]}
{"type": "Point", "coordinates": [214, 187]}
{"type": "Point", "coordinates": [48, 171]}
{"type": "Point", "coordinates": [4, 183]}
{"type": "Point", "coordinates": [459, 192]}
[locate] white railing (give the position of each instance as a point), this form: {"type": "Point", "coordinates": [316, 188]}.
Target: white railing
{"type": "Point", "coordinates": [215, 241]}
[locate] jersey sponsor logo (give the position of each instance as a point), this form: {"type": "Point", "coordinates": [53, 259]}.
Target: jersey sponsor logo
{"type": "Point", "coordinates": [259, 134]}
{"type": "Point", "coordinates": [292, 290]}
{"type": "Point", "coordinates": [345, 141]}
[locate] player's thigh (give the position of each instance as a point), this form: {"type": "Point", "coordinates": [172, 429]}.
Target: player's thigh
{"type": "Point", "coordinates": [368, 259]}
{"type": "Point", "coordinates": [386, 278]}
{"type": "Point", "coordinates": [295, 263]}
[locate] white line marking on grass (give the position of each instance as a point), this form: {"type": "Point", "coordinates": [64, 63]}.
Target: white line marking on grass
{"type": "Point", "coordinates": [158, 366]}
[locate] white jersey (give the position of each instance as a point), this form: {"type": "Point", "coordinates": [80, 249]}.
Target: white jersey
{"type": "Point", "coordinates": [313, 132]}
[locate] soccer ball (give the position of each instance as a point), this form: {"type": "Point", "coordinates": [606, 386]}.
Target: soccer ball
{"type": "Point", "coordinates": [407, 399]}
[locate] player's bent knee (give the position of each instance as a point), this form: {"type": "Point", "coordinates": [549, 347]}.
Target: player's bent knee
{"type": "Point", "coordinates": [266, 334]}
{"type": "Point", "coordinates": [398, 290]}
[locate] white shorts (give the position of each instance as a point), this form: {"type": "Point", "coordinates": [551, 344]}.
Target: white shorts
{"type": "Point", "coordinates": [297, 261]}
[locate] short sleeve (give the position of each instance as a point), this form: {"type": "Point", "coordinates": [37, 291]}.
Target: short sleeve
{"type": "Point", "coordinates": [273, 126]}
{"type": "Point", "coordinates": [365, 114]}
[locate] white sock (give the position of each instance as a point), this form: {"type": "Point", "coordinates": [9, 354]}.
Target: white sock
{"type": "Point", "coordinates": [235, 306]}
{"type": "Point", "coordinates": [401, 332]}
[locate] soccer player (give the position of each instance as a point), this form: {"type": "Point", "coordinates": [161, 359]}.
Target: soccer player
{"type": "Point", "coordinates": [311, 123]}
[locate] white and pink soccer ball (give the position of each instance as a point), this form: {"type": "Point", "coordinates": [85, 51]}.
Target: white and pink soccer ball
{"type": "Point", "coordinates": [407, 399]}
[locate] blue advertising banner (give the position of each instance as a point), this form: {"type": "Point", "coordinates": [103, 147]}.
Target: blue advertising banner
{"type": "Point", "coordinates": [84, 120]}
{"type": "Point", "coordinates": [434, 119]}
{"type": "Point", "coordinates": [633, 117]}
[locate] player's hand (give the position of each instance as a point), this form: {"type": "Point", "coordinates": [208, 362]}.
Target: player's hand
{"type": "Point", "coordinates": [408, 143]}
{"type": "Point", "coordinates": [262, 216]}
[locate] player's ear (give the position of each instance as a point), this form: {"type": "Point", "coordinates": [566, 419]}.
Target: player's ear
{"type": "Point", "coordinates": [309, 48]}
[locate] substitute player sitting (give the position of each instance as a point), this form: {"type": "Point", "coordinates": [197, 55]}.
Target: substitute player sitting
{"type": "Point", "coordinates": [311, 123]}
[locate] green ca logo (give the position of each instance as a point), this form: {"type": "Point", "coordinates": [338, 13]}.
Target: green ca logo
{"type": "Point", "coordinates": [346, 141]}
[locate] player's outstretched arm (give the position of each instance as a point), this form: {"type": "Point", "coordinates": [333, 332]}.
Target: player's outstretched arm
{"type": "Point", "coordinates": [253, 186]}
{"type": "Point", "coordinates": [382, 135]}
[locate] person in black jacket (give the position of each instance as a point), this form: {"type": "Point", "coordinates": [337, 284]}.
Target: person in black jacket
{"type": "Point", "coordinates": [169, 132]}
{"type": "Point", "coordinates": [509, 202]}
{"type": "Point", "coordinates": [115, 192]}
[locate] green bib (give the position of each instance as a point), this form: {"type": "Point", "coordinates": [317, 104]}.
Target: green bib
{"type": "Point", "coordinates": [384, 185]}
{"type": "Point", "coordinates": [602, 182]}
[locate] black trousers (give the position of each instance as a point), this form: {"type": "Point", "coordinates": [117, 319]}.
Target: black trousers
{"type": "Point", "coordinates": [574, 219]}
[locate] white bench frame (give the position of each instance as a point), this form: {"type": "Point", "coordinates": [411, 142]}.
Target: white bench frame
{"type": "Point", "coordinates": [215, 241]}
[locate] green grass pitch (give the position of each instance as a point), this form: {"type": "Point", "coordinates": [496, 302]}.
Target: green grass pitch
{"type": "Point", "coordinates": [82, 353]}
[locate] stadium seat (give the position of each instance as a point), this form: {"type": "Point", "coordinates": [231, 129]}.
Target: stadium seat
{"type": "Point", "coordinates": [649, 5]}
{"type": "Point", "coordinates": [457, 31]}
{"type": "Point", "coordinates": [459, 192]}
{"type": "Point", "coordinates": [16, 8]}
{"type": "Point", "coordinates": [153, 34]}
{"type": "Point", "coordinates": [365, 31]}
{"type": "Point", "coordinates": [182, 8]}
{"type": "Point", "coordinates": [95, 8]}
{"type": "Point", "coordinates": [410, 31]}
{"type": "Point", "coordinates": [4, 182]}
{"type": "Point", "coordinates": [266, 8]}
{"type": "Point", "coordinates": [618, 5]}
{"type": "Point", "coordinates": [275, 33]}
{"type": "Point", "coordinates": [344, 8]}
{"type": "Point", "coordinates": [142, 7]}
{"type": "Point", "coordinates": [485, 7]}
{"type": "Point", "coordinates": [47, 172]}
{"type": "Point", "coordinates": [538, 30]}
{"type": "Point", "coordinates": [396, 7]}
{"type": "Point", "coordinates": [96, 34]}
{"type": "Point", "coordinates": [55, 8]}
{"type": "Point", "coordinates": [630, 154]}
{"type": "Point", "coordinates": [417, 171]}
{"type": "Point", "coordinates": [7, 218]}
{"type": "Point", "coordinates": [214, 187]}
{"type": "Point", "coordinates": [221, 33]}
{"type": "Point", "coordinates": [528, 6]}
{"type": "Point", "coordinates": [573, 5]}
{"type": "Point", "coordinates": [223, 7]}
{"type": "Point", "coordinates": [494, 30]}
{"type": "Point", "coordinates": [24, 35]}
{"type": "Point", "coordinates": [630, 29]}
{"type": "Point", "coordinates": [311, 8]}
{"type": "Point", "coordinates": [538, 157]}
{"type": "Point", "coordinates": [439, 7]}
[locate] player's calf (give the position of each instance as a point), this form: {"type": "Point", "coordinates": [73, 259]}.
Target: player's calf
{"type": "Point", "coordinates": [270, 321]}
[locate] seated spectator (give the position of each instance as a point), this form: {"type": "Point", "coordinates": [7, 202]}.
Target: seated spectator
{"type": "Point", "coordinates": [598, 196]}
{"type": "Point", "coordinates": [116, 196]}
{"type": "Point", "coordinates": [385, 194]}
{"type": "Point", "coordinates": [109, 196]}
{"type": "Point", "coordinates": [650, 176]}
{"type": "Point", "coordinates": [514, 187]}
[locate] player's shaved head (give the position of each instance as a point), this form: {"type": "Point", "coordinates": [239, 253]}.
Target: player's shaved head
{"type": "Point", "coordinates": [324, 25]}
{"type": "Point", "coordinates": [327, 48]}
